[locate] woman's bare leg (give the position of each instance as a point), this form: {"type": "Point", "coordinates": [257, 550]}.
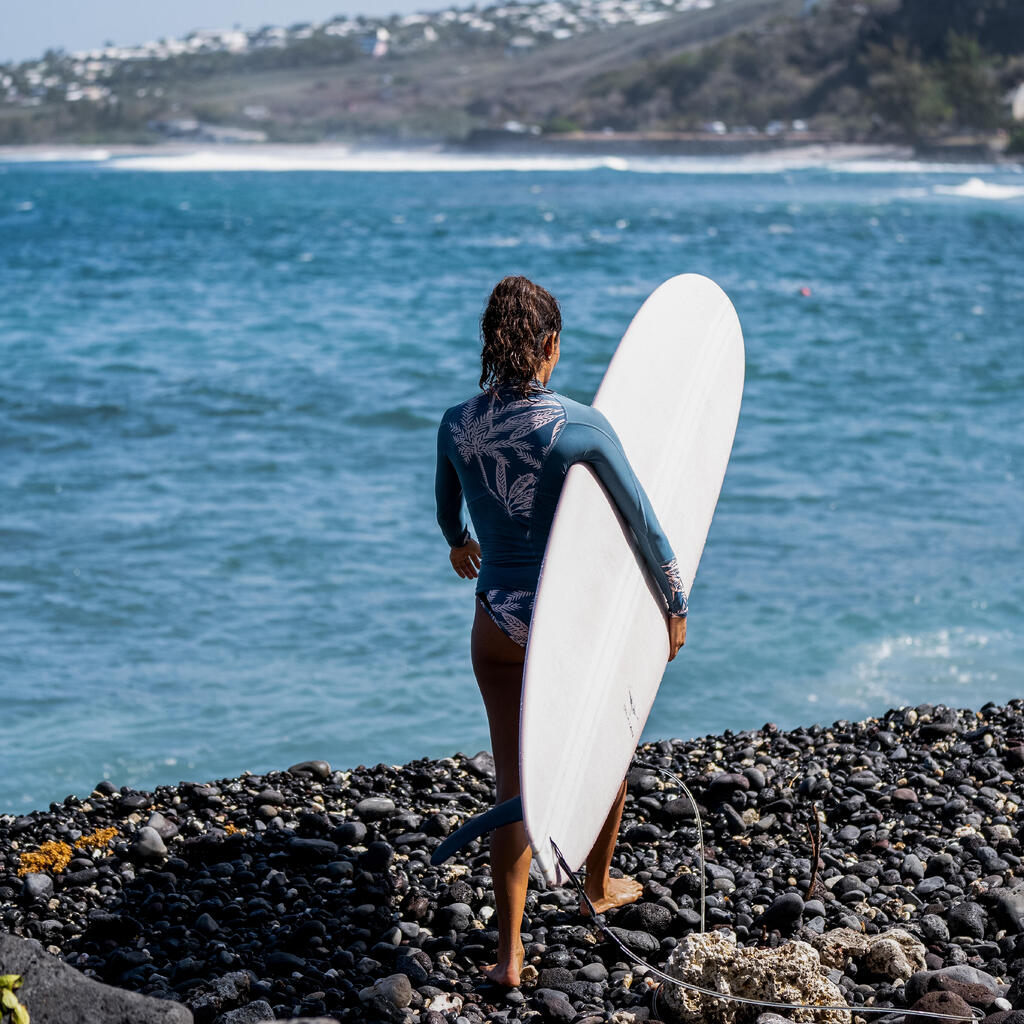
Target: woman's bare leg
{"type": "Point", "coordinates": [498, 666]}
{"type": "Point", "coordinates": [604, 891]}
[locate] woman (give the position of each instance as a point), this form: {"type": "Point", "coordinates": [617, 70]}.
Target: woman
{"type": "Point", "coordinates": [507, 451]}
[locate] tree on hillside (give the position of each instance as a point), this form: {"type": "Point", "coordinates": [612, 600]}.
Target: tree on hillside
{"type": "Point", "coordinates": [904, 91]}
{"type": "Point", "coordinates": [971, 84]}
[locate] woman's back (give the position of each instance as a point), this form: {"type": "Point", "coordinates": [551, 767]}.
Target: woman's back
{"type": "Point", "coordinates": [508, 456]}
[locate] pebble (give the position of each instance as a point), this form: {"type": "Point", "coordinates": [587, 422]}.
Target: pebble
{"type": "Point", "coordinates": [148, 845]}
{"type": "Point", "coordinates": [38, 886]}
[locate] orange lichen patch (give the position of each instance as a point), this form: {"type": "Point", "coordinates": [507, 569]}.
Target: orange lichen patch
{"type": "Point", "coordinates": [49, 857]}
{"type": "Point", "coordinates": [98, 839]}
{"type": "Point", "coordinates": [231, 828]}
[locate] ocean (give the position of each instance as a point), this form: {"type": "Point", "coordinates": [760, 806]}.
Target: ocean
{"type": "Point", "coordinates": [220, 385]}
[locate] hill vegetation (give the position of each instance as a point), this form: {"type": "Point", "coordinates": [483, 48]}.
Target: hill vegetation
{"type": "Point", "coordinates": [852, 70]}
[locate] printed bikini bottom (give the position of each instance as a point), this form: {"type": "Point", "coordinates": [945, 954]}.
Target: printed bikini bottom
{"type": "Point", "coordinates": [510, 611]}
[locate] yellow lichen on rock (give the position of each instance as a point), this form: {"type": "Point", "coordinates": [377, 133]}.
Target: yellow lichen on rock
{"type": "Point", "coordinates": [231, 828]}
{"type": "Point", "coordinates": [50, 856]}
{"type": "Point", "coordinates": [791, 973]}
{"type": "Point", "coordinates": [97, 840]}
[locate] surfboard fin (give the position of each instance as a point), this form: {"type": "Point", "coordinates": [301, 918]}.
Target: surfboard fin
{"type": "Point", "coordinates": [504, 813]}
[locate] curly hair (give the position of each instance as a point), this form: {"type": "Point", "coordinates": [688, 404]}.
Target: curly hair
{"type": "Point", "coordinates": [519, 317]}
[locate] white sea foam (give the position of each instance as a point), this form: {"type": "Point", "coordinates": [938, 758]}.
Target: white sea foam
{"type": "Point", "coordinates": [976, 188]}
{"type": "Point", "coordinates": [352, 159]}
{"type": "Point", "coordinates": [901, 669]}
{"type": "Point", "coordinates": [68, 154]}
{"type": "Point", "coordinates": [835, 159]}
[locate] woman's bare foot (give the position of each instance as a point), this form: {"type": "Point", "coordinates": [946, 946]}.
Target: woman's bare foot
{"type": "Point", "coordinates": [616, 892]}
{"type": "Point", "coordinates": [507, 970]}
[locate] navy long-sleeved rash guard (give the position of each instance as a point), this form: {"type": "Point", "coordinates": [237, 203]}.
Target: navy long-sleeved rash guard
{"type": "Point", "coordinates": [508, 457]}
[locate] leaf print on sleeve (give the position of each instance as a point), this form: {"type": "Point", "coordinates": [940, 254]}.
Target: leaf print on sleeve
{"type": "Point", "coordinates": [675, 580]}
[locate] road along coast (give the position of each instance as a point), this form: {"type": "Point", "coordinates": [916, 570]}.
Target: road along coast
{"type": "Point", "coordinates": [309, 891]}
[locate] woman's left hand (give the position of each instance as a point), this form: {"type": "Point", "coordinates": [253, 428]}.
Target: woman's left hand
{"type": "Point", "coordinates": [466, 560]}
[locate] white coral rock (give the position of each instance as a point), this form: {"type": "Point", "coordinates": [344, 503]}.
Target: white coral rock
{"type": "Point", "coordinates": [791, 974]}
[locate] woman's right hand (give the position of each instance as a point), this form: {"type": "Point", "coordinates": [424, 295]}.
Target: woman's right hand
{"type": "Point", "coordinates": [676, 634]}
{"type": "Point", "coordinates": [466, 559]}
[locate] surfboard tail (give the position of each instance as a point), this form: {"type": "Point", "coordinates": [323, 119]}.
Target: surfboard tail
{"type": "Point", "coordinates": [506, 813]}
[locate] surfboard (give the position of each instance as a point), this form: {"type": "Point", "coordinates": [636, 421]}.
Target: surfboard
{"type": "Point", "coordinates": [598, 643]}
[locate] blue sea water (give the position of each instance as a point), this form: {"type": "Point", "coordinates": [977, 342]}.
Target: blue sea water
{"type": "Point", "coordinates": [219, 392]}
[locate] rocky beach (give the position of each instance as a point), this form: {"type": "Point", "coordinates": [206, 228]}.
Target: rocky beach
{"type": "Point", "coordinates": [883, 855]}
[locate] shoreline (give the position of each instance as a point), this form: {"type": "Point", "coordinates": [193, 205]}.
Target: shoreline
{"type": "Point", "coordinates": [796, 152]}
{"type": "Point", "coordinates": [311, 888]}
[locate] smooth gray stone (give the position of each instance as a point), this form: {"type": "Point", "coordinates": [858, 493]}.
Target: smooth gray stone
{"type": "Point", "coordinates": [912, 867]}
{"type": "Point", "coordinates": [164, 828]}
{"type": "Point", "coordinates": [593, 972]}
{"type": "Point", "coordinates": [319, 768]}
{"type": "Point", "coordinates": [395, 988]}
{"type": "Point", "coordinates": [929, 886]}
{"type": "Point", "coordinates": [39, 885]}
{"type": "Point", "coordinates": [148, 845]}
{"type": "Point", "coordinates": [53, 992]}
{"type": "Point", "coordinates": [373, 808]}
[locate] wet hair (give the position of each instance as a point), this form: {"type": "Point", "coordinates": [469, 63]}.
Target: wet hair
{"type": "Point", "coordinates": [519, 317]}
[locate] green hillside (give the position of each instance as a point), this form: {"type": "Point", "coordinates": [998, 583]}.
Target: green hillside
{"type": "Point", "coordinates": [855, 70]}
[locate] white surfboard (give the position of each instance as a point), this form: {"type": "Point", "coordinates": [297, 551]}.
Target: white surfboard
{"type": "Point", "coordinates": [598, 641]}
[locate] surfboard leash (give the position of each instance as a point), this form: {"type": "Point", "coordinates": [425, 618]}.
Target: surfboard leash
{"type": "Point", "coordinates": [598, 919]}
{"type": "Point", "coordinates": [700, 829]}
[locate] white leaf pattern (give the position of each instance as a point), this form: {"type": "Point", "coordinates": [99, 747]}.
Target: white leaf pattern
{"type": "Point", "coordinates": [511, 611]}
{"type": "Point", "coordinates": [504, 436]}
{"type": "Point", "coordinates": [675, 580]}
